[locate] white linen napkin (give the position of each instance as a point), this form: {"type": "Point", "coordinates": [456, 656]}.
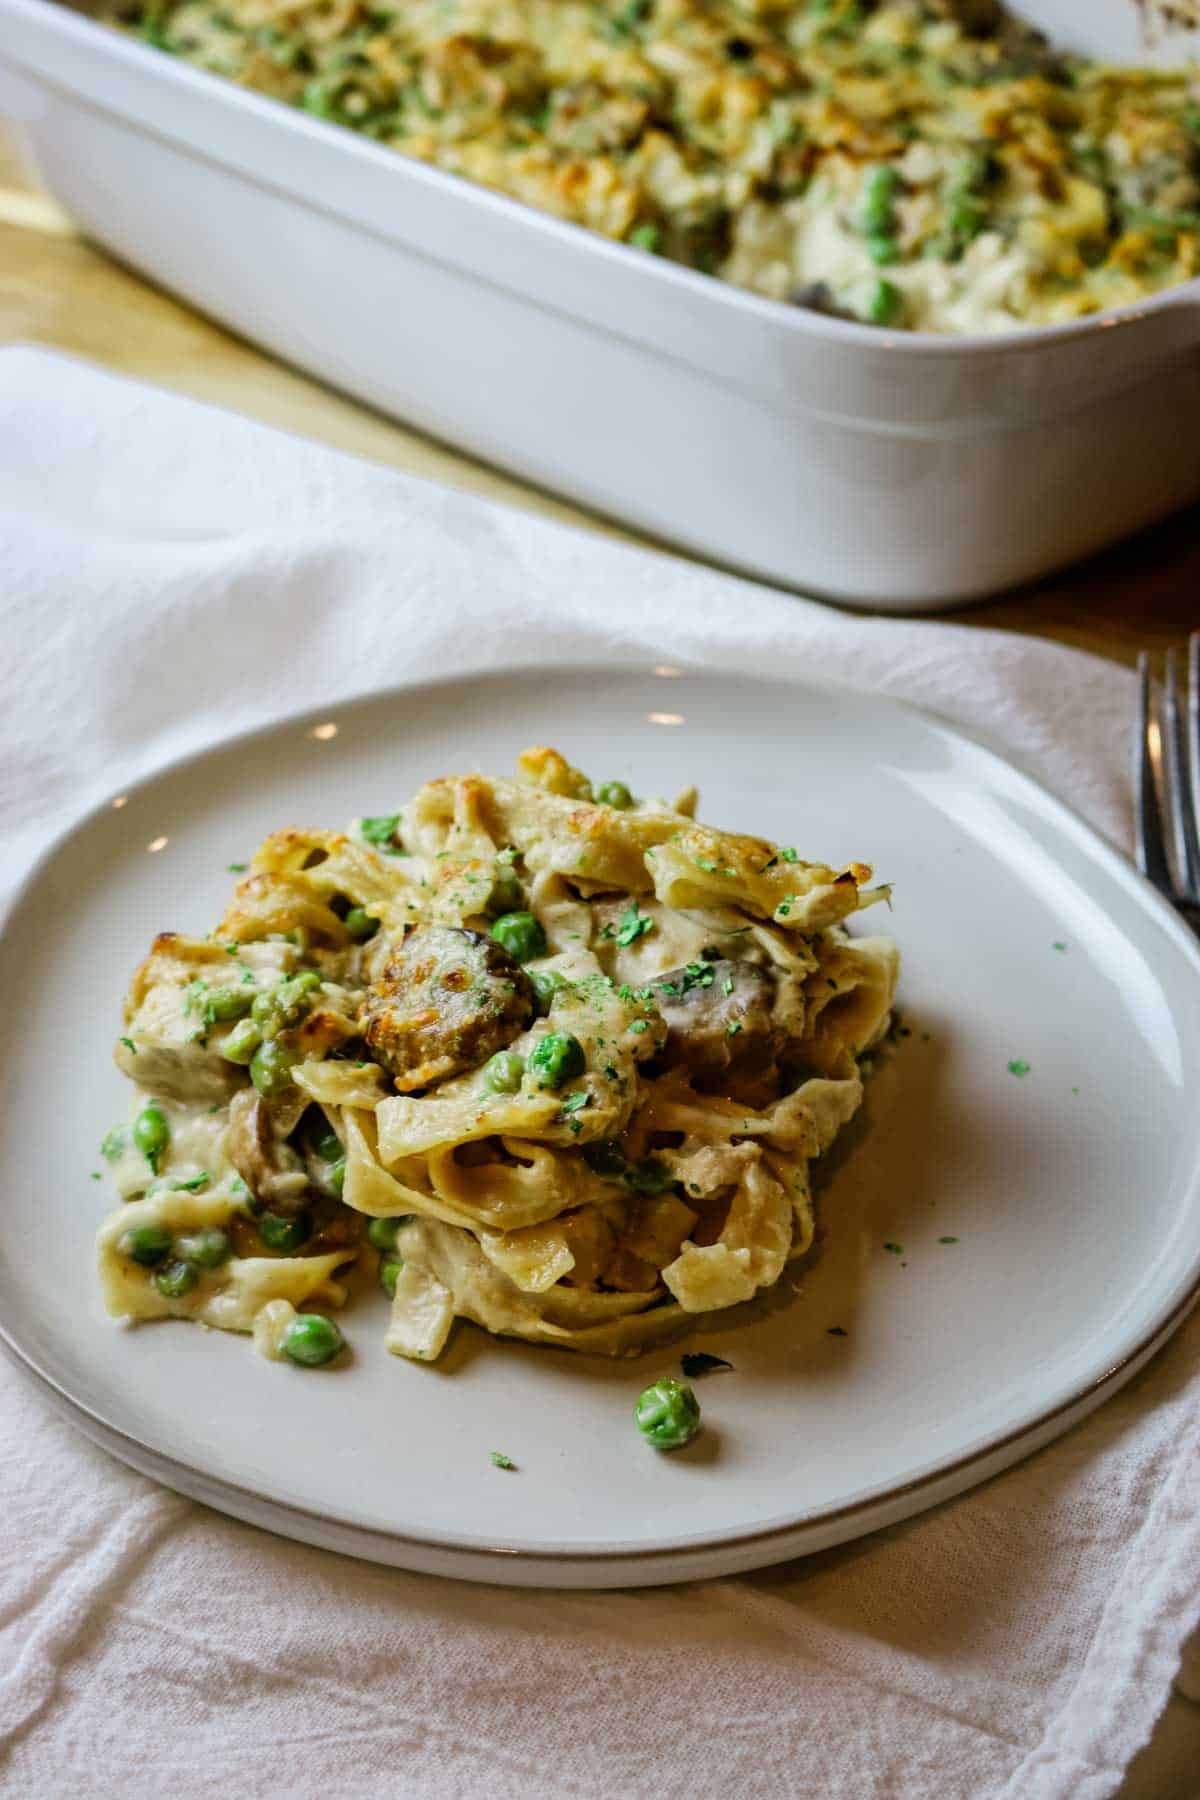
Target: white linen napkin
{"type": "Point", "coordinates": [171, 574]}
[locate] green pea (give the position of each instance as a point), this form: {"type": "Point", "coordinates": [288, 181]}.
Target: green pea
{"type": "Point", "coordinates": [286, 1003]}
{"type": "Point", "coordinates": [615, 793]}
{"type": "Point", "coordinates": [329, 1147]}
{"type": "Point", "coordinates": [556, 1058]}
{"type": "Point", "coordinates": [283, 1234]}
{"type": "Point", "coordinates": [311, 1340]}
{"type": "Point", "coordinates": [145, 1244]}
{"type": "Point", "coordinates": [337, 1175]}
{"type": "Point", "coordinates": [520, 934]}
{"type": "Point", "coordinates": [389, 1268]}
{"type": "Point", "coordinates": [271, 1069]}
{"type": "Point", "coordinates": [115, 1143]}
{"type": "Point", "coordinates": [382, 1233]}
{"type": "Point", "coordinates": [151, 1134]}
{"type": "Point", "coordinates": [177, 1279]}
{"type": "Point", "coordinates": [223, 1004]}
{"type": "Point", "coordinates": [966, 219]}
{"type": "Point", "coordinates": [884, 303]}
{"type": "Point", "coordinates": [883, 250]}
{"type": "Point", "coordinates": [504, 1073]}
{"type": "Point", "coordinates": [208, 1249]}
{"type": "Point", "coordinates": [668, 1414]}
{"type": "Point", "coordinates": [239, 1045]}
{"type": "Point", "coordinates": [382, 828]}
{"type": "Point", "coordinates": [360, 924]}
{"type": "Point", "coordinates": [545, 984]}
{"type": "Point", "coordinates": [878, 195]}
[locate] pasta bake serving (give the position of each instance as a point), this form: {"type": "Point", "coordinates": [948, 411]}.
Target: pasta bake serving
{"type": "Point", "coordinates": [923, 164]}
{"type": "Point", "coordinates": [554, 1060]}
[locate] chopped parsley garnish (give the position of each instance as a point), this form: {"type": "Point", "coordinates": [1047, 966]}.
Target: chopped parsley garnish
{"type": "Point", "coordinates": [638, 1025]}
{"type": "Point", "coordinates": [1074, 1090]}
{"type": "Point", "coordinates": [699, 1362]}
{"type": "Point", "coordinates": [194, 1185]}
{"type": "Point", "coordinates": [732, 1029]}
{"type": "Point", "coordinates": [706, 863]}
{"type": "Point", "coordinates": [789, 856]}
{"type": "Point", "coordinates": [237, 868]}
{"type": "Point", "coordinates": [633, 925]}
{"type": "Point", "coordinates": [624, 992]}
{"type": "Point", "coordinates": [129, 1044]}
{"type": "Point", "coordinates": [381, 829]}
{"type": "Point", "coordinates": [947, 1240]}
{"type": "Point", "coordinates": [727, 985]}
{"type": "Point", "coordinates": [500, 1461]}
{"type": "Point", "coordinates": [783, 909]}
{"type": "Point", "coordinates": [576, 1102]}
{"type": "Point", "coordinates": [835, 1331]}
{"type": "Point", "coordinates": [1058, 946]}
{"type": "Point", "coordinates": [894, 1249]}
{"type": "Point", "coordinates": [1018, 1066]}
{"type": "Point", "coordinates": [96, 1175]}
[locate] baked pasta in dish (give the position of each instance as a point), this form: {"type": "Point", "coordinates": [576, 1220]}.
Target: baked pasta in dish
{"type": "Point", "coordinates": [930, 164]}
{"type": "Point", "coordinates": [553, 1061]}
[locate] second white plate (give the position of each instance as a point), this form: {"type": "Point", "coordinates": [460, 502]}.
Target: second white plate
{"type": "Point", "coordinates": [1009, 1233]}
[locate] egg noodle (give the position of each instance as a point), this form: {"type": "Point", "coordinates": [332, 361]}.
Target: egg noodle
{"type": "Point", "coordinates": [923, 164]}
{"type": "Point", "coordinates": [581, 1053]}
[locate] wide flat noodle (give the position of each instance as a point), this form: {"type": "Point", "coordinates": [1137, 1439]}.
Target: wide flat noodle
{"type": "Point", "coordinates": [228, 1297]}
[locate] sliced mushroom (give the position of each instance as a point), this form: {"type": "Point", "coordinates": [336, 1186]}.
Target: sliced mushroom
{"type": "Point", "coordinates": [720, 1019]}
{"type": "Point", "coordinates": [270, 1168]}
{"type": "Point", "coordinates": [445, 999]}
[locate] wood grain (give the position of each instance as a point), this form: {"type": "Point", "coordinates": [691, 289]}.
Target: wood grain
{"type": "Point", "coordinates": [59, 290]}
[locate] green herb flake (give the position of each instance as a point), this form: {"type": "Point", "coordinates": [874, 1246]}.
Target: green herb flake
{"type": "Point", "coordinates": [732, 1030]}
{"type": "Point", "coordinates": [381, 829]}
{"type": "Point", "coordinates": [639, 1025]}
{"type": "Point", "coordinates": [1018, 1066]}
{"type": "Point", "coordinates": [699, 1362]}
{"type": "Point", "coordinates": [706, 863]}
{"type": "Point", "coordinates": [948, 1240]}
{"type": "Point", "coordinates": [727, 985]}
{"type": "Point", "coordinates": [789, 856]}
{"type": "Point", "coordinates": [129, 1045]}
{"type": "Point", "coordinates": [500, 1461]}
{"type": "Point", "coordinates": [237, 868]}
{"type": "Point", "coordinates": [894, 1249]}
{"type": "Point", "coordinates": [96, 1176]}
{"type": "Point", "coordinates": [633, 924]}
{"type": "Point", "coordinates": [576, 1102]}
{"type": "Point", "coordinates": [1058, 946]}
{"type": "Point", "coordinates": [194, 1185]}
{"type": "Point", "coordinates": [783, 909]}
{"type": "Point", "coordinates": [1074, 1090]}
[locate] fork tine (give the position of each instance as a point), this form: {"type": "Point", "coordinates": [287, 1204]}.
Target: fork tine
{"type": "Point", "coordinates": [1151, 851]}
{"type": "Point", "coordinates": [1179, 798]}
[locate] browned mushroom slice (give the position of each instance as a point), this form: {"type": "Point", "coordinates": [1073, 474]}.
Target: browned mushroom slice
{"type": "Point", "coordinates": [270, 1168]}
{"type": "Point", "coordinates": [446, 999]}
{"type": "Point", "coordinates": [720, 1018]}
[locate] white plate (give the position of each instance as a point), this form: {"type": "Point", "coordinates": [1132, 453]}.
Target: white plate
{"type": "Point", "coordinates": [1072, 1190]}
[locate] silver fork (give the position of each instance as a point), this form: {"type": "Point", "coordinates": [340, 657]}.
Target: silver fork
{"type": "Point", "coordinates": [1167, 780]}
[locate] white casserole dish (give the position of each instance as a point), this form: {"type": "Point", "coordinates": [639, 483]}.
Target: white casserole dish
{"type": "Point", "coordinates": [877, 468]}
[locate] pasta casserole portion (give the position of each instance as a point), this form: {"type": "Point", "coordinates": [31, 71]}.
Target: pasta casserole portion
{"type": "Point", "coordinates": [553, 1060]}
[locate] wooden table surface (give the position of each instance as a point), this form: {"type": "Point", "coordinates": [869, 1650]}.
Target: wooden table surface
{"type": "Point", "coordinates": [56, 288]}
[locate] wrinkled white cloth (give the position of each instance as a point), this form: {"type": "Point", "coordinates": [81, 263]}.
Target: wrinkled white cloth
{"type": "Point", "coordinates": [171, 574]}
